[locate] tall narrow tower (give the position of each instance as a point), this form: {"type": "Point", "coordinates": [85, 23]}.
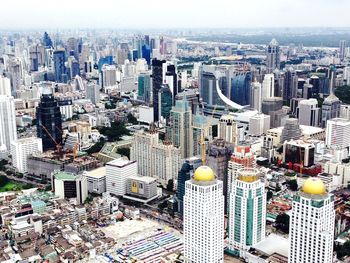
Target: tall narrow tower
{"type": "Point", "coordinates": [312, 224]}
{"type": "Point", "coordinates": [247, 218]}
{"type": "Point", "coordinates": [204, 218]}
{"type": "Point", "coordinates": [273, 56]}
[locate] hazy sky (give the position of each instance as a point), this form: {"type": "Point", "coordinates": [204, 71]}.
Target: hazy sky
{"type": "Point", "coordinates": [173, 13]}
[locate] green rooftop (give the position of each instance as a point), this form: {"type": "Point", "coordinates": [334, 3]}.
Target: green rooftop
{"type": "Point", "coordinates": [64, 176]}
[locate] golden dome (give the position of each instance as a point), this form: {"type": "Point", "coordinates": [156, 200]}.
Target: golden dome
{"type": "Point", "coordinates": [314, 186]}
{"type": "Point", "coordinates": [204, 173]}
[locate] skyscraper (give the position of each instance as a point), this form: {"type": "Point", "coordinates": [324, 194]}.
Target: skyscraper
{"type": "Point", "coordinates": [180, 127]}
{"type": "Point", "coordinates": [93, 93]}
{"type": "Point", "coordinates": [157, 81]}
{"type": "Point", "coordinates": [247, 217]}
{"type": "Point", "coordinates": [291, 130]}
{"type": "Point", "coordinates": [342, 49]}
{"type": "Point", "coordinates": [228, 129]}
{"type": "Point", "coordinates": [144, 87]}
{"type": "Point", "coordinates": [5, 86]}
{"type": "Point", "coordinates": [49, 123]}
{"type": "Point", "coordinates": [268, 86]}
{"type": "Point", "coordinates": [171, 80]}
{"type": "Point", "coordinates": [59, 59]}
{"type": "Point", "coordinates": [338, 133]}
{"type": "Point", "coordinates": [273, 56]}
{"type": "Point", "coordinates": [308, 112]}
{"type": "Point", "coordinates": [165, 98]}
{"type": "Point", "coordinates": [255, 96]}
{"type": "Point", "coordinates": [8, 131]}
{"type": "Point", "coordinates": [47, 42]}
{"type": "Point", "coordinates": [311, 228]}
{"type": "Point", "coordinates": [204, 218]}
{"type": "Point", "coordinates": [330, 109]}
{"type": "Point", "coordinates": [240, 87]}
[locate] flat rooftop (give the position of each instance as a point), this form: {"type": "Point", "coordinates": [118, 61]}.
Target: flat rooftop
{"type": "Point", "coordinates": [65, 176]}
{"type": "Point", "coordinates": [96, 173]}
{"type": "Point", "coordinates": [273, 244]}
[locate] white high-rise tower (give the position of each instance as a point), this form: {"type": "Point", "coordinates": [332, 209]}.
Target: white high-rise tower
{"type": "Point", "coordinates": [247, 217]}
{"type": "Point", "coordinates": [311, 233]}
{"type": "Point", "coordinates": [8, 131]}
{"type": "Point", "coordinates": [268, 86]}
{"type": "Point", "coordinates": [204, 218]}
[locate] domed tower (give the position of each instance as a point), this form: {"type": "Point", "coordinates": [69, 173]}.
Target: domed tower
{"type": "Point", "coordinates": [311, 229]}
{"type": "Point", "coordinates": [204, 217]}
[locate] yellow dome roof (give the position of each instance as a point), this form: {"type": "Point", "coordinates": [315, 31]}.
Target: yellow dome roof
{"type": "Point", "coordinates": [314, 186]}
{"type": "Point", "coordinates": [204, 173]}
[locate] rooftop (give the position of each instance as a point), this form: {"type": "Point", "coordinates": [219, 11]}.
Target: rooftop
{"type": "Point", "coordinates": [64, 176]}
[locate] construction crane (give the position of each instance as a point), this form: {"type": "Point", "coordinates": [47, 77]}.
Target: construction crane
{"type": "Point", "coordinates": [58, 146]}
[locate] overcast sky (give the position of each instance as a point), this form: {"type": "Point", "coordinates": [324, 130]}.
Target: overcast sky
{"type": "Point", "coordinates": [21, 14]}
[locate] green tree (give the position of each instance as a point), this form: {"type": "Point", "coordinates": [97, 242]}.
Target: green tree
{"type": "Point", "coordinates": [293, 185]}
{"type": "Point", "coordinates": [115, 132]}
{"type": "Point", "coordinates": [343, 93]}
{"type": "Point", "coordinates": [124, 152]}
{"type": "Point", "coordinates": [3, 180]}
{"type": "Point", "coordinates": [132, 119]}
{"type": "Point", "coordinates": [170, 185]}
{"type": "Point", "coordinates": [282, 223]}
{"type": "Point", "coordinates": [342, 250]}
{"type": "Point", "coordinates": [96, 147]}
{"type": "Point", "coordinates": [269, 195]}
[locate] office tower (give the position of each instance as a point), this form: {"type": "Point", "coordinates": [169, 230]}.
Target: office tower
{"type": "Point", "coordinates": [165, 99]}
{"type": "Point", "coordinates": [72, 47]}
{"type": "Point", "coordinates": [5, 86]}
{"type": "Point", "coordinates": [307, 91]}
{"type": "Point", "coordinates": [299, 152]}
{"type": "Point", "coordinates": [209, 77]}
{"type": "Point", "coordinates": [8, 131]}
{"type": "Point", "coordinates": [330, 109]}
{"type": "Point", "coordinates": [290, 86]}
{"type": "Point", "coordinates": [157, 81]}
{"type": "Point", "coordinates": [21, 149]}
{"type": "Point", "coordinates": [202, 128]}
{"type": "Point", "coordinates": [228, 129]}
{"type": "Point", "coordinates": [66, 108]}
{"type": "Point", "coordinates": [311, 227]}
{"type": "Point", "coordinates": [180, 127]}
{"type": "Point", "coordinates": [268, 86]}
{"type": "Point", "coordinates": [240, 87]}
{"type": "Point", "coordinates": [218, 155]}
{"type": "Point", "coordinates": [117, 173]}
{"type": "Point", "coordinates": [259, 124]}
{"type": "Point", "coordinates": [316, 85]}
{"type": "Point", "coordinates": [273, 56]}
{"type": "Point", "coordinates": [308, 112]}
{"type": "Point", "coordinates": [242, 157]}
{"type": "Point", "coordinates": [36, 57]}
{"type": "Point", "coordinates": [338, 133]}
{"type": "Point", "coordinates": [108, 76]}
{"type": "Point", "coordinates": [155, 159]}
{"type": "Point", "coordinates": [67, 185]}
{"type": "Point", "coordinates": [47, 42]}
{"type": "Point", "coordinates": [171, 80]}
{"type": "Point", "coordinates": [204, 218]}
{"type": "Point", "coordinates": [294, 104]}
{"type": "Point", "coordinates": [186, 173]}
{"type": "Point", "coordinates": [291, 130]}
{"type": "Point", "coordinates": [15, 70]}
{"type": "Point", "coordinates": [271, 104]}
{"type": "Point", "coordinates": [247, 217]}
{"type": "Point", "coordinates": [59, 59]}
{"type": "Point", "coordinates": [144, 87]}
{"type": "Point", "coordinates": [255, 96]}
{"type": "Point", "coordinates": [93, 93]}
{"type": "Point", "coordinates": [342, 49]}
{"type": "Point", "coordinates": [49, 123]}
{"type": "Point", "coordinates": [344, 112]}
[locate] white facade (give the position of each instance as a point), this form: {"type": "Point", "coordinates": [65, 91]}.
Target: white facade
{"type": "Point", "coordinates": [311, 229]}
{"type": "Point", "coordinates": [8, 131]}
{"type": "Point", "coordinates": [255, 96]}
{"type": "Point", "coordinates": [227, 129]}
{"type": "Point", "coordinates": [345, 109]}
{"type": "Point", "coordinates": [204, 222]}
{"type": "Point", "coordinates": [117, 173]}
{"type": "Point", "coordinates": [93, 93]}
{"type": "Point", "coordinates": [96, 180]}
{"type": "Point", "coordinates": [21, 149]}
{"type": "Point", "coordinates": [247, 216]}
{"type": "Point", "coordinates": [308, 112]}
{"type": "Point", "coordinates": [338, 133]}
{"type": "Point", "coordinates": [268, 86]}
{"type": "Point", "coordinates": [67, 111]}
{"type": "Point", "coordinates": [5, 86]}
{"type": "Point", "coordinates": [109, 76]}
{"type": "Point", "coordinates": [259, 124]}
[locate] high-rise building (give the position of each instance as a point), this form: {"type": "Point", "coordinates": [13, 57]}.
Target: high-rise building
{"type": "Point", "coordinates": [117, 173]}
{"type": "Point", "coordinates": [299, 152]}
{"type": "Point", "coordinates": [255, 96]}
{"type": "Point", "coordinates": [240, 87]}
{"type": "Point", "coordinates": [186, 173]}
{"type": "Point", "coordinates": [291, 130]}
{"type": "Point", "coordinates": [344, 111]}
{"type": "Point", "coordinates": [21, 148]}
{"type": "Point", "coordinates": [273, 56]}
{"type": "Point", "coordinates": [59, 59]}
{"type": "Point", "coordinates": [144, 87]}
{"type": "Point", "coordinates": [171, 80]}
{"type": "Point", "coordinates": [338, 133]}
{"type": "Point", "coordinates": [202, 128]}
{"type": "Point", "coordinates": [67, 186]}
{"type": "Point", "coordinates": [8, 131]}
{"type": "Point", "coordinates": [311, 227]}
{"type": "Point", "coordinates": [330, 109]}
{"type": "Point", "coordinates": [228, 129]}
{"type": "Point", "coordinates": [47, 42]}
{"type": "Point", "coordinates": [308, 112]}
{"type": "Point", "coordinates": [247, 217]}
{"type": "Point", "coordinates": [203, 218]}
{"type": "Point", "coordinates": [5, 86]}
{"type": "Point", "coordinates": [49, 122]}
{"type": "Point", "coordinates": [165, 100]}
{"type": "Point", "coordinates": [157, 81]}
{"type": "Point", "coordinates": [16, 73]}
{"type": "Point", "coordinates": [93, 93]}
{"type": "Point", "coordinates": [180, 127]}
{"type": "Point", "coordinates": [108, 76]}
{"type": "Point", "coordinates": [342, 49]}
{"type": "Point", "coordinates": [290, 86]}
{"type": "Point", "coordinates": [259, 124]}
{"type": "Point", "coordinates": [268, 86]}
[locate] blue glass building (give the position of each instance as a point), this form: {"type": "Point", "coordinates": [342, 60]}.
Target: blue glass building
{"type": "Point", "coordinates": [59, 58]}
{"type": "Point", "coordinates": [240, 87]}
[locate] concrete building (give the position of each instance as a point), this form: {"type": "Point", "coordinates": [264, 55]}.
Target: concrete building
{"type": "Point", "coordinates": [338, 133]}
{"type": "Point", "coordinates": [272, 56]}
{"type": "Point", "coordinates": [21, 149]}
{"type": "Point", "coordinates": [5, 86]}
{"type": "Point", "coordinates": [299, 152]}
{"type": "Point", "coordinates": [291, 130]}
{"type": "Point", "coordinates": [96, 180]}
{"type": "Point", "coordinates": [255, 96]}
{"type": "Point", "coordinates": [8, 131]}
{"type": "Point", "coordinates": [268, 86]}
{"type": "Point", "coordinates": [117, 173]}
{"type": "Point", "coordinates": [330, 108]}
{"type": "Point", "coordinates": [312, 220]}
{"type": "Point", "coordinates": [227, 129]}
{"type": "Point", "coordinates": [141, 188]}
{"type": "Point", "coordinates": [259, 124]}
{"type": "Point", "coordinates": [93, 93]}
{"type": "Point", "coordinates": [345, 109]}
{"type": "Point", "coordinates": [308, 112]}
{"type": "Point", "coordinates": [247, 219]}
{"type": "Point", "coordinates": [67, 186]}
{"type": "Point", "coordinates": [204, 218]}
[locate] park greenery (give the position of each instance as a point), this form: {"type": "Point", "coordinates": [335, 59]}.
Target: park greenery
{"type": "Point", "coordinates": [343, 93]}
{"type": "Point", "coordinates": [8, 185]}
{"type": "Point", "coordinates": [342, 250]}
{"type": "Point", "coordinates": [282, 223]}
